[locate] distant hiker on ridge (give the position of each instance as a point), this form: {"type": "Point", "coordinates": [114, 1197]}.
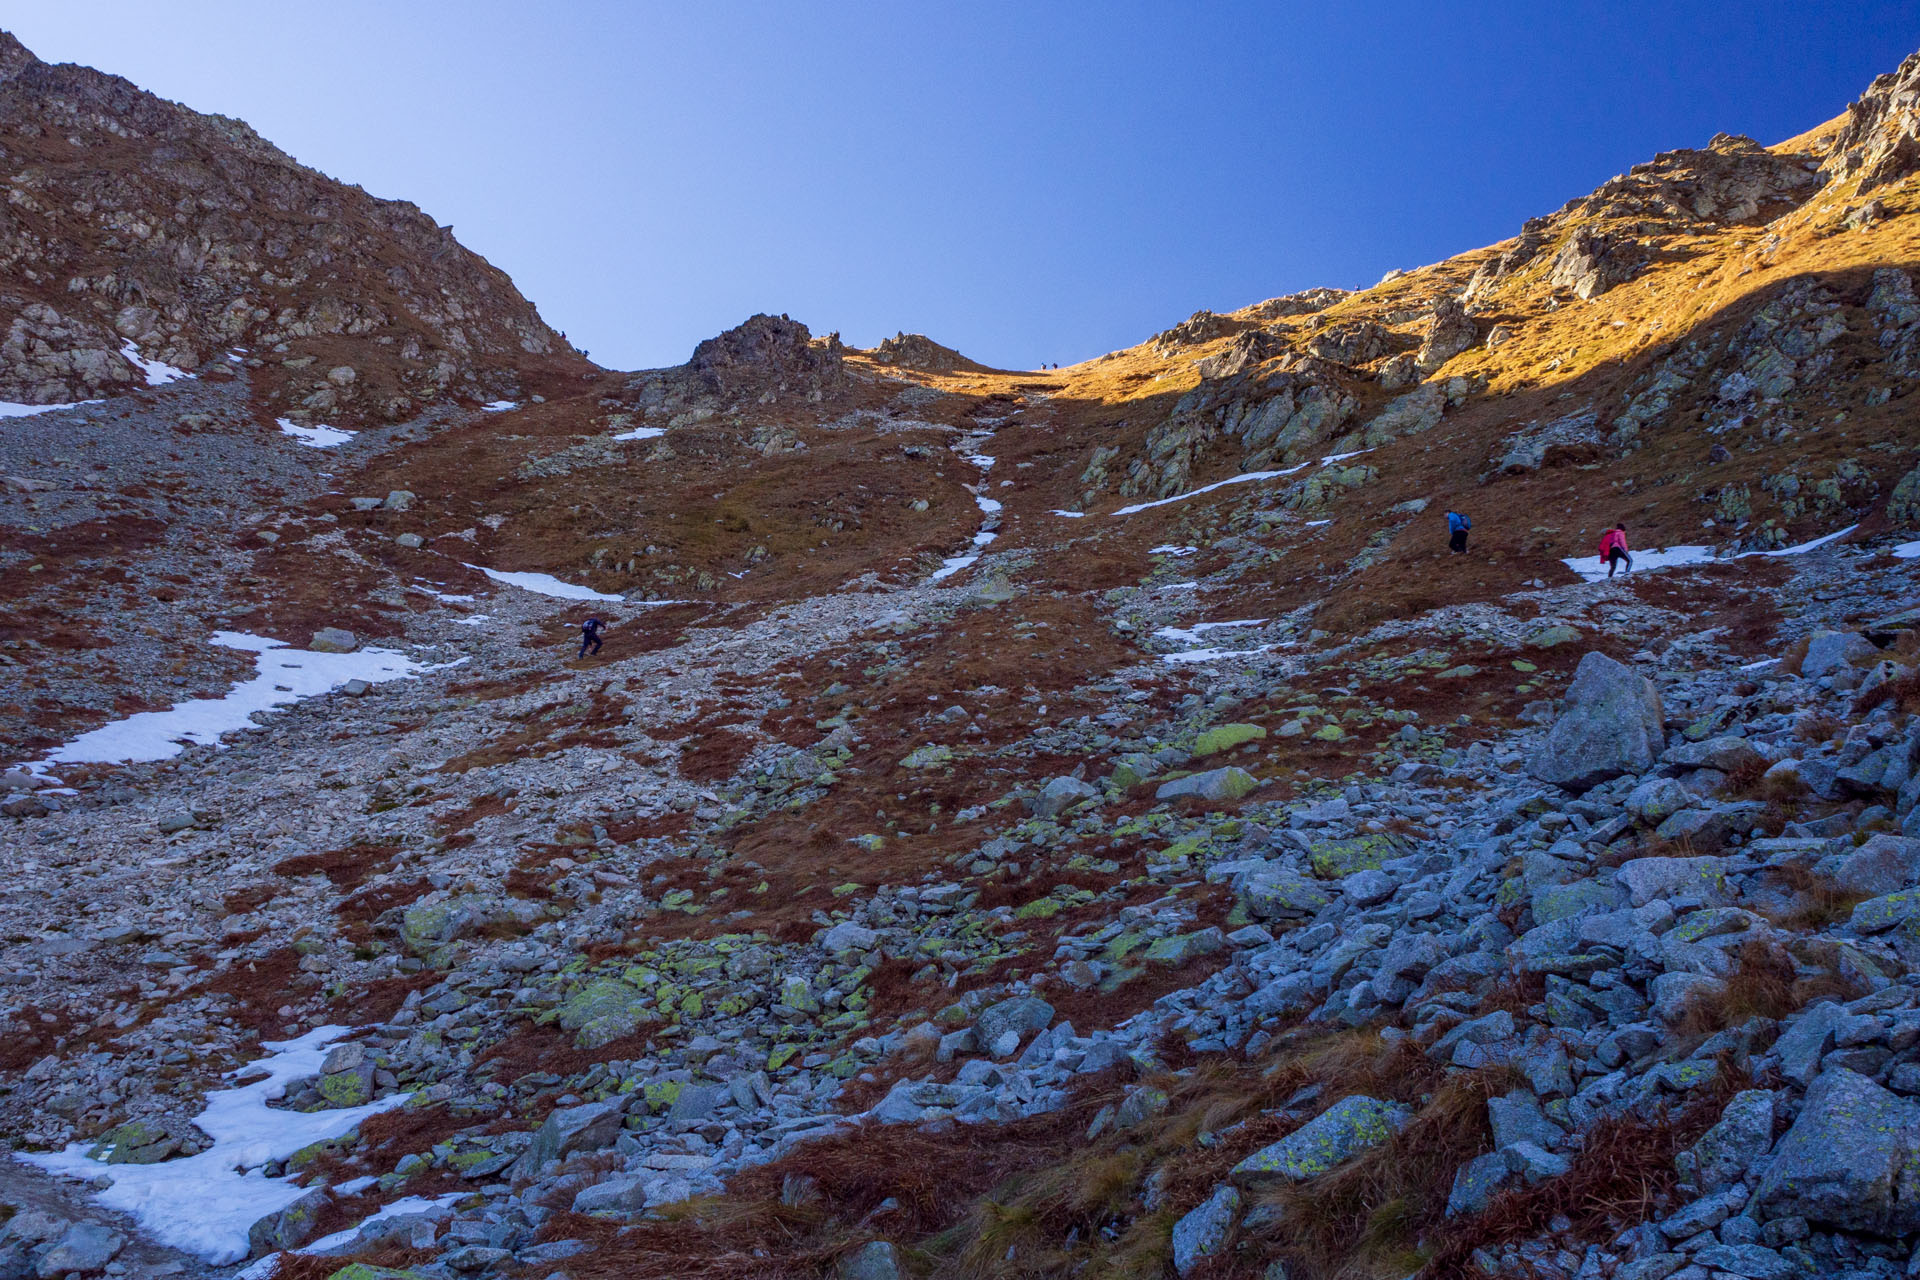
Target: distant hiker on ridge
{"type": "Point", "coordinates": [590, 636]}
{"type": "Point", "coordinates": [1458, 523]}
{"type": "Point", "coordinates": [1613, 549]}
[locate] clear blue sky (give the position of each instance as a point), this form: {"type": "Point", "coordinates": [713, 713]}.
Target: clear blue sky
{"type": "Point", "coordinates": [1027, 182]}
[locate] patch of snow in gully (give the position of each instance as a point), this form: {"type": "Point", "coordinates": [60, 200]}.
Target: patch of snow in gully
{"type": "Point", "coordinates": [1243, 478]}
{"type": "Point", "coordinates": [641, 433]}
{"type": "Point", "coordinates": [1191, 635]}
{"type": "Point", "coordinates": [1186, 656]}
{"type": "Point", "coordinates": [1907, 551]}
{"type": "Point", "coordinates": [546, 584]}
{"type": "Point", "coordinates": [1594, 569]}
{"type": "Point", "coordinates": [499, 406]}
{"type": "Point", "coordinates": [285, 676]}
{"type": "Point", "coordinates": [989, 509]}
{"type": "Point", "coordinates": [29, 410]}
{"type": "Point", "coordinates": [321, 437]}
{"type": "Point", "coordinates": [159, 373]}
{"type": "Point", "coordinates": [204, 1204]}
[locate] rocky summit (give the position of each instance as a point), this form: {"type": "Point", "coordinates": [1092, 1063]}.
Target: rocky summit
{"type": "Point", "coordinates": [1084, 822]}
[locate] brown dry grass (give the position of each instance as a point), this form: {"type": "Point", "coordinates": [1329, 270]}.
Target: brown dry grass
{"type": "Point", "coordinates": [1903, 691]}
{"type": "Point", "coordinates": [1619, 1177]}
{"type": "Point", "coordinates": [1763, 984]}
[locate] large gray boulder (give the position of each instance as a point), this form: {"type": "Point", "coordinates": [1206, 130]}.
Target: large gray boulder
{"type": "Point", "coordinates": [1203, 1231]}
{"type": "Point", "coordinates": [1743, 1134]}
{"type": "Point", "coordinates": [1851, 1160]}
{"type": "Point", "coordinates": [1612, 726]}
{"type": "Point", "coordinates": [591, 1127]}
{"type": "Point", "coordinates": [1215, 786]}
{"type": "Point", "coordinates": [1830, 651]}
{"type": "Point", "coordinates": [875, 1260]}
{"type": "Point", "coordinates": [1022, 1015]}
{"type": "Point", "coordinates": [1342, 1131]}
{"type": "Point", "coordinates": [1059, 794]}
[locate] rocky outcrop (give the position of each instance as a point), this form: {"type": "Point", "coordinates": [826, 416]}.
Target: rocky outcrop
{"type": "Point", "coordinates": [1880, 139]}
{"type": "Point", "coordinates": [137, 226]}
{"type": "Point", "coordinates": [917, 351]}
{"type": "Point", "coordinates": [1449, 333]}
{"type": "Point", "coordinates": [769, 353]}
{"type": "Point", "coordinates": [1201, 326]}
{"type": "Point", "coordinates": [1592, 262]}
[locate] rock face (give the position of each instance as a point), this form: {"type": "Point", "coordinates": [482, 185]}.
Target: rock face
{"type": "Point", "coordinates": [769, 351]}
{"type": "Point", "coordinates": [1612, 725]}
{"type": "Point", "coordinates": [137, 225]}
{"type": "Point", "coordinates": [1880, 141]}
{"type": "Point", "coordinates": [1450, 332]}
{"type": "Point", "coordinates": [1851, 1160]}
{"type": "Point", "coordinates": [917, 351]}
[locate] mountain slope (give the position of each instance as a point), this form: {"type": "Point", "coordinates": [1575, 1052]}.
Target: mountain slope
{"type": "Point", "coordinates": [1081, 822]}
{"type": "Point", "coordinates": [130, 219]}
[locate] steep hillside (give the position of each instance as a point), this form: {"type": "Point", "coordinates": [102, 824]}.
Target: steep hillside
{"type": "Point", "coordinates": [136, 229]}
{"type": "Point", "coordinates": [1068, 823]}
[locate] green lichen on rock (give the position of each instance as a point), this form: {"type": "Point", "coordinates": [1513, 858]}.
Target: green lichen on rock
{"type": "Point", "coordinates": [927, 757]}
{"type": "Point", "coordinates": [1337, 859]}
{"type": "Point", "coordinates": [346, 1089]}
{"type": "Point", "coordinates": [1339, 1133]}
{"type": "Point", "coordinates": [1225, 737]}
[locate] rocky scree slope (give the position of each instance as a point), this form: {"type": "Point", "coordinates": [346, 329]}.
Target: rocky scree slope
{"type": "Point", "coordinates": [1214, 881]}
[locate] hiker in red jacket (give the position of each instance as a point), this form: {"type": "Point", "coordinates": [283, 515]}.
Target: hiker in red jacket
{"type": "Point", "coordinates": [1613, 549]}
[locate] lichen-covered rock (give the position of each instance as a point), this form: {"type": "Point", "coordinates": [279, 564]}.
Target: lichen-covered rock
{"type": "Point", "coordinates": [589, 1127]}
{"type": "Point", "coordinates": [1736, 1143]}
{"type": "Point", "coordinates": [287, 1228]}
{"type": "Point", "coordinates": [1851, 1159]}
{"type": "Point", "coordinates": [429, 926]}
{"type": "Point", "coordinates": [1344, 1130]}
{"type": "Point", "coordinates": [1612, 725]}
{"type": "Point", "coordinates": [1280, 894]}
{"type": "Point", "coordinates": [1202, 1232]}
{"type": "Point", "coordinates": [1214, 786]}
{"type": "Point", "coordinates": [1225, 737]}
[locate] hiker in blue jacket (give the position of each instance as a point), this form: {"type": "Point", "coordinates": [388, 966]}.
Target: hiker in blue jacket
{"type": "Point", "coordinates": [1457, 525]}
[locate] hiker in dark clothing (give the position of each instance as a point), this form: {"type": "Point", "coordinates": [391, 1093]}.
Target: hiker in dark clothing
{"type": "Point", "coordinates": [1458, 524]}
{"type": "Point", "coordinates": [590, 636]}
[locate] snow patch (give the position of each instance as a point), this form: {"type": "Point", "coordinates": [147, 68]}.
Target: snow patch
{"type": "Point", "coordinates": [1803, 547]}
{"type": "Point", "coordinates": [1172, 549]}
{"type": "Point", "coordinates": [1186, 656]}
{"type": "Point", "coordinates": [989, 508]}
{"type": "Point", "coordinates": [405, 1205]}
{"type": "Point", "coordinates": [158, 372]}
{"type": "Point", "coordinates": [284, 676]}
{"type": "Point", "coordinates": [547, 585]}
{"type": "Point", "coordinates": [1192, 634]}
{"type": "Point", "coordinates": [29, 410]}
{"type": "Point", "coordinates": [499, 406]}
{"type": "Point", "coordinates": [1907, 551]}
{"type": "Point", "coordinates": [1243, 478]}
{"type": "Point", "coordinates": [1593, 569]}
{"type": "Point", "coordinates": [1070, 515]}
{"type": "Point", "coordinates": [641, 433]}
{"type": "Point", "coordinates": [322, 437]}
{"type": "Point", "coordinates": [204, 1204]}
